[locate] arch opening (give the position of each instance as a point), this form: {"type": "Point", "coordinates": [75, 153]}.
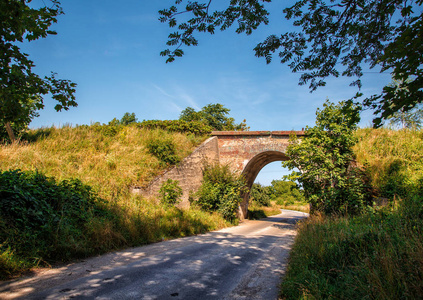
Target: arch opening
{"type": "Point", "coordinates": [252, 169]}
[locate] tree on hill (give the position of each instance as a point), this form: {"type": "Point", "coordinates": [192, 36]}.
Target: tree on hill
{"type": "Point", "coordinates": [21, 90]}
{"type": "Point", "coordinates": [336, 37]}
{"type": "Point", "coordinates": [213, 115]}
{"type": "Point", "coordinates": [127, 119]}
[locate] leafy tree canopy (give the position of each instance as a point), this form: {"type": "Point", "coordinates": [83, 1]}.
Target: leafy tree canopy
{"type": "Point", "coordinates": [336, 37]}
{"type": "Point", "coordinates": [213, 115]}
{"type": "Point", "coordinates": [21, 90]}
{"type": "Point", "coordinates": [127, 119]}
{"type": "Point", "coordinates": [260, 194]}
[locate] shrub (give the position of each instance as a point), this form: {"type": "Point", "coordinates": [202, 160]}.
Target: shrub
{"type": "Point", "coordinates": [44, 219]}
{"type": "Point", "coordinates": [194, 127]}
{"type": "Point", "coordinates": [164, 150]}
{"type": "Point", "coordinates": [170, 192]}
{"type": "Point", "coordinates": [221, 191]}
{"type": "Point", "coordinates": [286, 192]}
{"type": "Point", "coordinates": [259, 195]}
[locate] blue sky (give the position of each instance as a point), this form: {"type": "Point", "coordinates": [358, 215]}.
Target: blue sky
{"type": "Point", "coordinates": [111, 50]}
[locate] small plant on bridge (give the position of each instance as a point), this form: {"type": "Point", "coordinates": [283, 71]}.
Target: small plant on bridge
{"type": "Point", "coordinates": [221, 191]}
{"type": "Point", "coordinates": [170, 192]}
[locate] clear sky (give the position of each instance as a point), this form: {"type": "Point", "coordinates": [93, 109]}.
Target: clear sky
{"type": "Point", "coordinates": [111, 50]}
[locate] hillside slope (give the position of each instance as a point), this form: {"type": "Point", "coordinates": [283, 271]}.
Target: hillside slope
{"type": "Point", "coordinates": [72, 196]}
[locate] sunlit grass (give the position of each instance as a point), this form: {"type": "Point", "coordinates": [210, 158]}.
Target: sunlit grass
{"type": "Point", "coordinates": [256, 211]}
{"type": "Point", "coordinates": [111, 162]}
{"type": "Point", "coordinates": [379, 149]}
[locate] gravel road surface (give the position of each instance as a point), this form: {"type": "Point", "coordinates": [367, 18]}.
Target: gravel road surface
{"type": "Point", "coordinates": [242, 262]}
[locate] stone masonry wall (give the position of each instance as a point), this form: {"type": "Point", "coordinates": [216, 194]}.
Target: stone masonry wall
{"type": "Point", "coordinates": [238, 149]}
{"type": "Point", "coordinates": [188, 172]}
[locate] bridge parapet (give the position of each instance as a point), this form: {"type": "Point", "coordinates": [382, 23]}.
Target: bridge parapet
{"type": "Point", "coordinates": [286, 133]}
{"type": "Point", "coordinates": [237, 148]}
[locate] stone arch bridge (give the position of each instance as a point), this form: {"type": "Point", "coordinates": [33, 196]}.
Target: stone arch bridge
{"type": "Point", "coordinates": [246, 152]}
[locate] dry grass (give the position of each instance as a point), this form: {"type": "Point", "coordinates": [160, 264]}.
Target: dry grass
{"type": "Point", "coordinates": [110, 161]}
{"type": "Point", "coordinates": [110, 164]}
{"type": "Point", "coordinates": [379, 149]}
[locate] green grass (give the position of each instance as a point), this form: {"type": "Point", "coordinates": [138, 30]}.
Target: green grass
{"type": "Point", "coordinates": [372, 256]}
{"type": "Point", "coordinates": [256, 211]}
{"type": "Point", "coordinates": [107, 160]}
{"type": "Point", "coordinates": [376, 255]}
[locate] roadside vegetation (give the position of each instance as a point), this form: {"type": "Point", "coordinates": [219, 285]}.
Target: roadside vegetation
{"type": "Point", "coordinates": [65, 193]}
{"type": "Point", "coordinates": [370, 251]}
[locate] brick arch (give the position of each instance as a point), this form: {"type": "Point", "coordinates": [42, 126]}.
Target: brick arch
{"type": "Point", "coordinates": [253, 168]}
{"type": "Point", "coordinates": [244, 152]}
{"type": "Point", "coordinates": [258, 162]}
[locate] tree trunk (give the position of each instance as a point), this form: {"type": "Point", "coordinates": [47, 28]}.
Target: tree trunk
{"type": "Point", "coordinates": [10, 132]}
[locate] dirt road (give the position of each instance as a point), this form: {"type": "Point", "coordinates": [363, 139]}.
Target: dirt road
{"type": "Point", "coordinates": [242, 262]}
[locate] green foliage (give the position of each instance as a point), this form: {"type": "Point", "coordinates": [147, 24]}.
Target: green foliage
{"type": "Point", "coordinates": [377, 255]}
{"type": "Point", "coordinates": [128, 119]}
{"type": "Point", "coordinates": [334, 38]}
{"type": "Point", "coordinates": [170, 192]}
{"type": "Point", "coordinates": [21, 90]}
{"type": "Point", "coordinates": [109, 130]}
{"type": "Point", "coordinates": [164, 150]}
{"type": "Point", "coordinates": [221, 191]}
{"type": "Point", "coordinates": [286, 193]}
{"type": "Point", "coordinates": [260, 195]}
{"type": "Point", "coordinates": [42, 219]}
{"type": "Point", "coordinates": [331, 182]}
{"type": "Point", "coordinates": [108, 164]}
{"type": "Point", "coordinates": [213, 115]}
{"type": "Point", "coordinates": [193, 127]}
{"type": "Point", "coordinates": [394, 160]}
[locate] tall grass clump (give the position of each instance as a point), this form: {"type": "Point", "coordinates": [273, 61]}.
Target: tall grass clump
{"type": "Point", "coordinates": [372, 256]}
{"type": "Point", "coordinates": [394, 159]}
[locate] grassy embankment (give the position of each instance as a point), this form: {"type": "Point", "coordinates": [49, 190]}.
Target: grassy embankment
{"type": "Point", "coordinates": [100, 214]}
{"type": "Point", "coordinates": [377, 255]}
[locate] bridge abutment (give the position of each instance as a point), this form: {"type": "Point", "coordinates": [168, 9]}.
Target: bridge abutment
{"type": "Point", "coordinates": [246, 153]}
